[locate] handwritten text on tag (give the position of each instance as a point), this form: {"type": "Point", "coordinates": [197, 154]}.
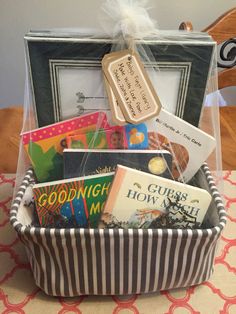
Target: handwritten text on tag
{"type": "Point", "coordinates": [117, 115]}
{"type": "Point", "coordinates": [131, 86]}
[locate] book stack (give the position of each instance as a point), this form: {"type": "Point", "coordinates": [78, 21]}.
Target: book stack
{"type": "Point", "coordinates": [93, 174]}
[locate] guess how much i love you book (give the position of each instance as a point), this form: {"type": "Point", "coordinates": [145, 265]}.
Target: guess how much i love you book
{"type": "Point", "coordinates": [83, 198]}
{"type": "Point", "coordinates": [135, 194]}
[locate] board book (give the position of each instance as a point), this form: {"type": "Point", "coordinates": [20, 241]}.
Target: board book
{"type": "Point", "coordinates": [113, 137]}
{"type": "Point", "coordinates": [83, 198]}
{"type": "Point", "coordinates": [189, 145]}
{"type": "Point", "coordinates": [45, 145]}
{"type": "Point", "coordinates": [78, 162]}
{"type": "Point", "coordinates": [136, 197]}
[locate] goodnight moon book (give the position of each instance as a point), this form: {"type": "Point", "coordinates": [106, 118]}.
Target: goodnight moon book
{"type": "Point", "coordinates": [81, 198]}
{"type": "Point", "coordinates": [79, 162]}
{"type": "Point", "coordinates": [137, 197]}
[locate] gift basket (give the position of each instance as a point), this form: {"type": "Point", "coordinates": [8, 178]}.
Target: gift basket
{"type": "Point", "coordinates": [113, 192]}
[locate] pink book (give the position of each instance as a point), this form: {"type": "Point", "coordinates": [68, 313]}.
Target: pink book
{"type": "Point", "coordinates": [45, 145]}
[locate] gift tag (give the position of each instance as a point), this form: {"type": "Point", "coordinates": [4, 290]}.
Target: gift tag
{"type": "Point", "coordinates": [131, 86]}
{"type": "Point", "coordinates": [117, 115]}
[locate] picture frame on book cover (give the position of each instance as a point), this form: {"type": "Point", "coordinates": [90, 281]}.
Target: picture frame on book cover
{"type": "Point", "coordinates": [66, 77]}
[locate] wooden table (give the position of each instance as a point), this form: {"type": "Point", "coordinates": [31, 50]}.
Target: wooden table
{"type": "Point", "coordinates": [228, 136]}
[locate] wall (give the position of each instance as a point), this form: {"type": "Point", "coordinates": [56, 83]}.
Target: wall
{"type": "Point", "coordinates": [19, 16]}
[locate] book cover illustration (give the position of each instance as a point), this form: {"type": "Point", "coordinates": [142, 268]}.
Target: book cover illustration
{"type": "Point", "coordinates": [189, 145]}
{"type": "Point", "coordinates": [137, 197]}
{"type": "Point", "coordinates": [82, 198]}
{"type": "Point", "coordinates": [45, 145]}
{"type": "Point", "coordinates": [180, 153]}
{"type": "Point", "coordinates": [114, 137]}
{"type": "Point", "coordinates": [110, 138]}
{"type": "Point", "coordinates": [137, 136]}
{"type": "Point", "coordinates": [79, 162]}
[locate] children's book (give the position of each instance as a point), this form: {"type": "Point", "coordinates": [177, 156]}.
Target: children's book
{"type": "Point", "coordinates": [136, 197]}
{"type": "Point", "coordinates": [189, 146]}
{"type": "Point", "coordinates": [114, 137]}
{"type": "Point", "coordinates": [79, 162]}
{"type": "Point", "coordinates": [45, 145]}
{"type": "Point", "coordinates": [83, 198]}
{"type": "Point", "coordinates": [111, 138]}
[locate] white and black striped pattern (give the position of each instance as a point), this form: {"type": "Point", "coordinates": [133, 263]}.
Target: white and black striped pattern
{"type": "Point", "coordinates": [71, 262]}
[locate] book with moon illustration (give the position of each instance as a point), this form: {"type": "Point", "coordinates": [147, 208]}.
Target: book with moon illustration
{"type": "Point", "coordinates": [45, 145]}
{"type": "Point", "coordinates": [137, 197]}
{"type": "Point", "coordinates": [83, 198]}
{"type": "Point", "coordinates": [78, 162]}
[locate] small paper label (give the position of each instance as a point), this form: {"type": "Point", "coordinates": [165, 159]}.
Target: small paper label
{"type": "Point", "coordinates": [131, 86]}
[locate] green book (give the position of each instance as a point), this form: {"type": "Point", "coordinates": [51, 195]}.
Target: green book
{"type": "Point", "coordinates": [82, 198]}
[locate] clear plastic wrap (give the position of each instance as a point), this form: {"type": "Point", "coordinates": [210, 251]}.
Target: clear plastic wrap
{"type": "Point", "coordinates": [65, 82]}
{"type": "Point", "coordinates": [134, 198]}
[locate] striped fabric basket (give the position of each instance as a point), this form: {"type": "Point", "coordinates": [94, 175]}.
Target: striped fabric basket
{"type": "Point", "coordinates": [71, 262]}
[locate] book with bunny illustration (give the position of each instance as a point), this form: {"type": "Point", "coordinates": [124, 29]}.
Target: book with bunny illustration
{"type": "Point", "coordinates": [137, 197]}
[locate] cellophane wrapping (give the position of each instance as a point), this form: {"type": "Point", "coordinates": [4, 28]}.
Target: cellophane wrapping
{"type": "Point", "coordinates": [64, 81]}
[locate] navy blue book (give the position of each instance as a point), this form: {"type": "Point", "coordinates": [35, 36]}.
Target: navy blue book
{"type": "Point", "coordinates": [82, 162]}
